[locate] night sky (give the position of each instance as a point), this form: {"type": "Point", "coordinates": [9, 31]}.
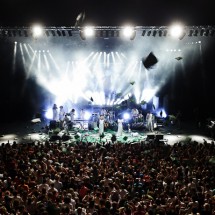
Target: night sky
{"type": "Point", "coordinates": [199, 84]}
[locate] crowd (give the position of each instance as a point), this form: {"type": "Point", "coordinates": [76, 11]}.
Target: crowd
{"type": "Point", "coordinates": [42, 178]}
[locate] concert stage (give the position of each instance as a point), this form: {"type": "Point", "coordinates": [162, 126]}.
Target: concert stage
{"type": "Point", "coordinates": [26, 132]}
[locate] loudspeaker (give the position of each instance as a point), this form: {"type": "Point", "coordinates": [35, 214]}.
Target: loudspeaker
{"type": "Point", "coordinates": [150, 137]}
{"type": "Point", "coordinates": [54, 138]}
{"type": "Point", "coordinates": [159, 137]}
{"type": "Point", "coordinates": [66, 137]}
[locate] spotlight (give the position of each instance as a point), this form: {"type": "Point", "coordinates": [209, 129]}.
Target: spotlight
{"type": "Point", "coordinates": [149, 33]}
{"type": "Point", "coordinates": [182, 35]}
{"type": "Point", "coordinates": [154, 33]}
{"type": "Point", "coordinates": [70, 33]}
{"type": "Point", "coordinates": [165, 33]}
{"type": "Point", "coordinates": [190, 33]}
{"type": "Point", "coordinates": [176, 31]}
{"type": "Point", "coordinates": [49, 113]}
{"type": "Point", "coordinates": [126, 116]}
{"type": "Point", "coordinates": [104, 33]}
{"type": "Point", "coordinates": [47, 33]}
{"type": "Point", "coordinates": [20, 33]}
{"type": "Point", "coordinates": [116, 34]}
{"type": "Point", "coordinates": [202, 32]}
{"type": "Point", "coordinates": [9, 33]}
{"type": "Point", "coordinates": [129, 32]}
{"type": "Point", "coordinates": [196, 33]}
{"type": "Point", "coordinates": [63, 33]}
{"type": "Point", "coordinates": [206, 32]}
{"type": "Point", "coordinates": [25, 33]}
{"type": "Point", "coordinates": [37, 30]}
{"type": "Point", "coordinates": [87, 115]}
{"type": "Point", "coordinates": [143, 33]}
{"type": "Point", "coordinates": [212, 33]}
{"type": "Point", "coordinates": [89, 31]}
{"type": "Point", "coordinates": [59, 33]}
{"type": "Point", "coordinates": [53, 33]}
{"type": "Point", "coordinates": [14, 33]}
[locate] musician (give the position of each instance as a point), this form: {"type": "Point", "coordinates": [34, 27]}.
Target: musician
{"type": "Point", "coordinates": [103, 112]}
{"type": "Point", "coordinates": [95, 119]}
{"type": "Point", "coordinates": [82, 114]}
{"type": "Point", "coordinates": [140, 118]}
{"type": "Point", "coordinates": [111, 116]}
{"type": "Point", "coordinates": [120, 127]}
{"type": "Point", "coordinates": [134, 114]}
{"type": "Point", "coordinates": [107, 117]}
{"type": "Point", "coordinates": [72, 117]}
{"type": "Point", "coordinates": [61, 116]}
{"type": "Point", "coordinates": [101, 124]}
{"type": "Point", "coordinates": [55, 112]}
{"type": "Point", "coordinates": [150, 121]}
{"type": "Point", "coordinates": [67, 123]}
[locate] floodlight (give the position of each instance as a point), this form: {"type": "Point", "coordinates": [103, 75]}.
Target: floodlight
{"type": "Point", "coordinates": [37, 30]}
{"type": "Point", "coordinates": [176, 31]}
{"type": "Point", "coordinates": [89, 31]}
{"type": "Point", "coordinates": [87, 115]}
{"type": "Point", "coordinates": [49, 113]}
{"type": "Point", "coordinates": [127, 31]}
{"type": "Point", "coordinates": [126, 116]}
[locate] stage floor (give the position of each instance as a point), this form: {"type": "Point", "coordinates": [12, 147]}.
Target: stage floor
{"type": "Point", "coordinates": [25, 132]}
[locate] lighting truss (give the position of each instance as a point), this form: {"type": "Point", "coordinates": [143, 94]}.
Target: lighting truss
{"type": "Point", "coordinates": [107, 31]}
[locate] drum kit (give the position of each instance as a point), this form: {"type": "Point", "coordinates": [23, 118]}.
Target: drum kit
{"type": "Point", "coordinates": [109, 118]}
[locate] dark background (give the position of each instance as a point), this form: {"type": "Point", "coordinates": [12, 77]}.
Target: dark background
{"type": "Point", "coordinates": [118, 12]}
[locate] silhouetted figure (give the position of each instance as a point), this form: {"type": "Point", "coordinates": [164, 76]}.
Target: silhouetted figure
{"type": "Point", "coordinates": [161, 114]}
